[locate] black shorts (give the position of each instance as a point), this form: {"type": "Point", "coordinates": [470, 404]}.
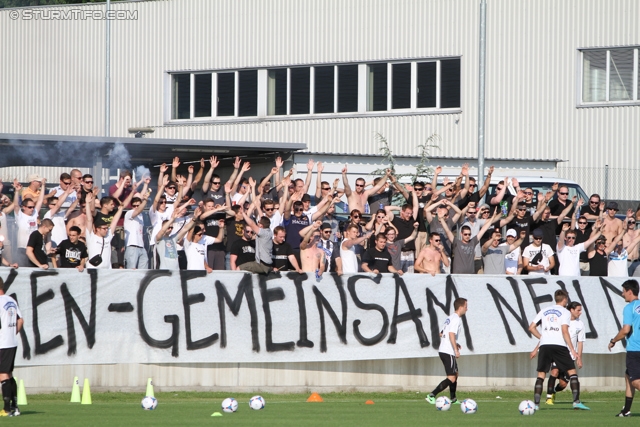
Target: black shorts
{"type": "Point", "coordinates": [562, 376]}
{"type": "Point", "coordinates": [633, 365]}
{"type": "Point", "coordinates": [7, 358]}
{"type": "Point", "coordinates": [450, 363]}
{"type": "Point", "coordinates": [555, 353]}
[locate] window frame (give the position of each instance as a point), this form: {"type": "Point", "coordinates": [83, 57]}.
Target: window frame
{"type": "Point", "coordinates": [362, 88]}
{"type": "Point", "coordinates": [580, 103]}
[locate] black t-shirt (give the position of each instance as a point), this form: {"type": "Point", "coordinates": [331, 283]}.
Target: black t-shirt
{"type": "Point", "coordinates": [405, 229]}
{"type": "Point", "coordinates": [218, 197]}
{"type": "Point", "coordinates": [581, 238]}
{"type": "Point", "coordinates": [377, 260]}
{"type": "Point", "coordinates": [294, 225]}
{"type": "Point", "coordinates": [245, 251]}
{"type": "Point", "coordinates": [335, 255]}
{"type": "Point", "coordinates": [101, 218]}
{"type": "Point", "coordinates": [556, 209]}
{"type": "Point", "coordinates": [507, 198]}
{"type": "Point", "coordinates": [71, 253]}
{"type": "Point", "coordinates": [524, 224]}
{"type": "Point", "coordinates": [473, 197]}
{"type": "Point", "coordinates": [234, 231]}
{"type": "Point", "coordinates": [36, 241]}
{"type": "Point", "coordinates": [548, 232]}
{"type": "Point", "coordinates": [422, 201]}
{"type": "Point", "coordinates": [280, 255]}
{"type": "Point", "coordinates": [212, 229]}
{"type": "Point", "coordinates": [379, 201]}
{"type": "Point", "coordinates": [586, 209]}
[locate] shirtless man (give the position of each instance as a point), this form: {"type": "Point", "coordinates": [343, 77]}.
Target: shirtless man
{"type": "Point", "coordinates": [78, 219]}
{"type": "Point", "coordinates": [311, 256]}
{"type": "Point", "coordinates": [358, 198]}
{"type": "Point", "coordinates": [611, 226]}
{"type": "Point", "coordinates": [431, 256]}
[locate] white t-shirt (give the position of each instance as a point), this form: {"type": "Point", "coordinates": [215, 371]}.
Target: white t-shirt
{"type": "Point", "coordinates": [133, 226]}
{"type": "Point", "coordinates": [72, 197]}
{"type": "Point", "coordinates": [156, 219]}
{"type": "Point", "coordinates": [59, 232]}
{"type": "Point", "coordinates": [511, 261]}
{"type": "Point", "coordinates": [196, 252]}
{"type": "Point", "coordinates": [9, 314]}
{"type": "Point", "coordinates": [569, 258]}
{"type": "Point", "coordinates": [552, 319]}
{"type": "Point", "coordinates": [452, 324]}
{"type": "Point", "coordinates": [349, 258]}
{"type": "Point", "coordinates": [96, 245]}
{"type": "Point", "coordinates": [531, 251]}
{"type": "Point", "coordinates": [236, 198]}
{"type": "Point", "coordinates": [4, 231]}
{"type": "Point", "coordinates": [166, 249]}
{"type": "Point", "coordinates": [178, 224]}
{"type": "Point", "coordinates": [276, 220]}
{"type": "Point", "coordinates": [26, 225]}
{"type": "Point", "coordinates": [577, 333]}
{"type": "Point", "coordinates": [618, 264]}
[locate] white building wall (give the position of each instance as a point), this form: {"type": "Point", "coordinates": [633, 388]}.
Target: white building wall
{"type": "Point", "coordinates": [53, 71]}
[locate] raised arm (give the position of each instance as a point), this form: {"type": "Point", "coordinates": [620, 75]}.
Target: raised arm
{"type": "Point", "coordinates": [565, 211]}
{"type": "Point", "coordinates": [236, 167]}
{"type": "Point", "coordinates": [428, 210]}
{"type": "Point", "coordinates": [116, 218]}
{"type": "Point", "coordinates": [250, 222]}
{"type": "Point", "coordinates": [455, 208]}
{"type": "Point", "coordinates": [498, 197]}
{"type": "Point", "coordinates": [345, 182]}
{"type": "Point", "coordinates": [381, 182]}
{"type": "Point", "coordinates": [213, 164]}
{"type": "Point", "coordinates": [17, 188]}
{"type": "Point", "coordinates": [174, 168]}
{"type": "Point", "coordinates": [307, 181]}
{"type": "Point", "coordinates": [487, 181]}
{"type": "Point", "coordinates": [40, 197]}
{"type": "Point", "coordinates": [542, 204]}
{"type": "Point", "coordinates": [308, 232]}
{"type": "Point", "coordinates": [446, 228]}
{"type": "Point", "coordinates": [487, 225]}
{"type": "Point", "coordinates": [434, 182]}
{"type": "Point", "coordinates": [89, 202]}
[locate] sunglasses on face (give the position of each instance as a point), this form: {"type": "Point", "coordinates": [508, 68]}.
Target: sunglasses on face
{"type": "Point", "coordinates": [529, 193]}
{"type": "Point", "coordinates": [522, 209]}
{"type": "Point", "coordinates": [537, 238]}
{"type": "Point", "coordinates": [215, 182]}
{"type": "Point", "coordinates": [300, 209]}
{"type": "Point", "coordinates": [582, 223]}
{"type": "Point", "coordinates": [326, 189]}
{"type": "Point", "coordinates": [471, 213]}
{"type": "Point", "coordinates": [631, 223]}
{"type": "Point", "coordinates": [355, 216]}
{"type": "Point", "coordinates": [359, 185]}
{"type": "Point", "coordinates": [171, 188]}
{"type": "Point", "coordinates": [88, 182]}
{"type": "Point", "coordinates": [327, 231]}
{"type": "Point", "coordinates": [268, 209]}
{"type": "Point", "coordinates": [135, 206]}
{"type": "Point", "coordinates": [436, 241]}
{"type": "Point", "coordinates": [162, 202]}
{"type": "Point", "coordinates": [418, 188]}
{"type": "Point", "coordinates": [592, 202]}
{"type": "Point", "coordinates": [472, 185]}
{"type": "Point", "coordinates": [66, 183]}
{"type": "Point", "coordinates": [28, 207]}
{"type": "Point", "coordinates": [466, 234]}
{"type": "Point", "coordinates": [570, 238]}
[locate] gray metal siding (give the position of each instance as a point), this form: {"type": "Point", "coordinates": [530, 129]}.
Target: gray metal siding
{"type": "Point", "coordinates": [53, 80]}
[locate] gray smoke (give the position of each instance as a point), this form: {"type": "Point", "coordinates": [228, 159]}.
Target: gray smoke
{"type": "Point", "coordinates": [140, 172]}
{"type": "Point", "coordinates": [119, 157]}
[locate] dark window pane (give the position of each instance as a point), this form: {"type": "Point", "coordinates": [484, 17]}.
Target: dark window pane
{"type": "Point", "coordinates": [323, 91]}
{"type": "Point", "coordinates": [427, 85]}
{"type": "Point", "coordinates": [181, 96]}
{"type": "Point", "coordinates": [300, 81]}
{"type": "Point", "coordinates": [450, 83]}
{"type": "Point", "coordinates": [377, 97]}
{"type": "Point", "coordinates": [347, 88]}
{"type": "Point", "coordinates": [202, 93]}
{"type": "Point", "coordinates": [226, 94]}
{"type": "Point", "coordinates": [401, 86]}
{"type": "Point", "coordinates": [277, 95]}
{"type": "Point", "coordinates": [248, 93]}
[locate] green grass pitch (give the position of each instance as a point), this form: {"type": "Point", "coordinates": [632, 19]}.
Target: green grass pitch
{"type": "Point", "coordinates": [338, 409]}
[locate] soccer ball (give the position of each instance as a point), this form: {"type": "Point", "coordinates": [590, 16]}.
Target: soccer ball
{"type": "Point", "coordinates": [527, 407]}
{"type": "Point", "coordinates": [149, 403]}
{"type": "Point", "coordinates": [468, 406]}
{"type": "Point", "coordinates": [256, 402]}
{"type": "Point", "coordinates": [229, 405]}
{"type": "Point", "coordinates": [443, 403]}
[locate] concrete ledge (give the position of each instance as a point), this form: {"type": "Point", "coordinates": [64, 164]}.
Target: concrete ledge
{"type": "Point", "coordinates": [602, 372]}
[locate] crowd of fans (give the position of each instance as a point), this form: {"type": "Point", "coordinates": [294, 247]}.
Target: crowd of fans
{"type": "Point", "coordinates": [279, 224]}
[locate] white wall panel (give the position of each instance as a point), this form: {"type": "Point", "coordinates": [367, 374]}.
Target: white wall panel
{"type": "Point", "coordinates": [53, 78]}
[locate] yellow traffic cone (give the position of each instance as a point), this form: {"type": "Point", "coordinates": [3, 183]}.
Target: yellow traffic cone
{"type": "Point", "coordinates": [149, 388]}
{"type": "Point", "coordinates": [86, 393]}
{"type": "Point", "coordinates": [75, 391]}
{"type": "Point", "coordinates": [22, 394]}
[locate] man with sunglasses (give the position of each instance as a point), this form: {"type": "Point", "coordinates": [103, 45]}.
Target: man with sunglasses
{"type": "Point", "coordinates": [611, 225]}
{"type": "Point", "coordinates": [243, 251]}
{"type": "Point", "coordinates": [537, 258]}
{"type": "Point", "coordinates": [358, 198]}
{"type": "Point", "coordinates": [469, 194]}
{"type": "Point", "coordinates": [592, 210]}
{"type": "Point", "coordinates": [99, 235]}
{"type": "Point", "coordinates": [569, 252]}
{"type": "Point", "coordinates": [463, 248]}
{"type": "Point", "coordinates": [167, 244]}
{"type": "Point", "coordinates": [65, 184]}
{"type": "Point", "coordinates": [135, 255]}
{"type": "Point", "coordinates": [26, 216]}
{"type": "Point", "coordinates": [431, 258]}
{"type": "Point", "coordinates": [212, 187]}
{"type": "Point", "coordinates": [86, 185]}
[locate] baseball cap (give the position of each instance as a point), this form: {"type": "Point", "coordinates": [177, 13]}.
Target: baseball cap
{"type": "Point", "coordinates": [34, 177]}
{"type": "Point", "coordinates": [511, 232]}
{"type": "Point", "coordinates": [612, 205]}
{"type": "Point", "coordinates": [306, 198]}
{"type": "Point", "coordinates": [538, 233]}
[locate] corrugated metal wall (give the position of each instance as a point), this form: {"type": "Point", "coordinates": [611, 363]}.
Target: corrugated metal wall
{"type": "Point", "coordinates": [53, 78]}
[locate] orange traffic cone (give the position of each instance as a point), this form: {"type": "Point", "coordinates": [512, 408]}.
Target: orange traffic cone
{"type": "Point", "coordinates": [315, 397]}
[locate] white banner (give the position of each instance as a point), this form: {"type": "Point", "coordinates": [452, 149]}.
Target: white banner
{"type": "Point", "coordinates": [125, 316]}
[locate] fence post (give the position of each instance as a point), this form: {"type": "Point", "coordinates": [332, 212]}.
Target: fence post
{"type": "Point", "coordinates": [606, 182]}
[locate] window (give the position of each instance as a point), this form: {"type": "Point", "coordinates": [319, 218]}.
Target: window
{"type": "Point", "coordinates": [181, 89]}
{"type": "Point", "coordinates": [610, 75]}
{"type": "Point", "coordinates": [405, 87]}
